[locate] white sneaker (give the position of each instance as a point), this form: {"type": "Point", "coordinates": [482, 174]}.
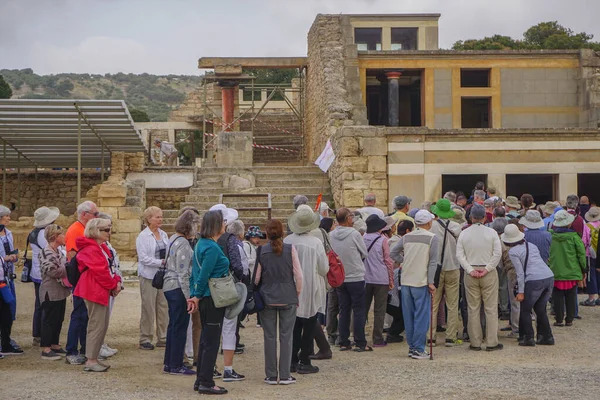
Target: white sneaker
{"type": "Point", "coordinates": [115, 351]}
{"type": "Point", "coordinates": [105, 352]}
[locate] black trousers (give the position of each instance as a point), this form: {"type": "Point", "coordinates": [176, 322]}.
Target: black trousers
{"type": "Point", "coordinates": [462, 302]}
{"type": "Point", "coordinates": [537, 293]}
{"type": "Point", "coordinates": [397, 326]}
{"type": "Point", "coordinates": [304, 332]}
{"type": "Point", "coordinates": [53, 317]}
{"type": "Point", "coordinates": [37, 312]}
{"type": "Point", "coordinates": [562, 297]}
{"type": "Point", "coordinates": [211, 318]}
{"type": "Point", "coordinates": [6, 322]}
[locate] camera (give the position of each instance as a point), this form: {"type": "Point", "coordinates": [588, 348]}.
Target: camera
{"type": "Point", "coordinates": [14, 252]}
{"type": "Point", "coordinates": [12, 277]}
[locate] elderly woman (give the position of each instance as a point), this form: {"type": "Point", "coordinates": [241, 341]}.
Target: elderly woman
{"type": "Point", "coordinates": [568, 262]}
{"type": "Point", "coordinates": [176, 288]}
{"type": "Point", "coordinates": [97, 284]}
{"type": "Point", "coordinates": [52, 261]}
{"type": "Point", "coordinates": [209, 262]}
{"type": "Point", "coordinates": [9, 257]}
{"type": "Point", "coordinates": [279, 280]}
{"type": "Point", "coordinates": [151, 245]}
{"type": "Point", "coordinates": [534, 286]}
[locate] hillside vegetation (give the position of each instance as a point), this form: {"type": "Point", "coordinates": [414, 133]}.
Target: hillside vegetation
{"type": "Point", "coordinates": [154, 94]}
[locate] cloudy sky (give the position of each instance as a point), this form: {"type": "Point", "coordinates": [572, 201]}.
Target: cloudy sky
{"type": "Point", "coordinates": [168, 36]}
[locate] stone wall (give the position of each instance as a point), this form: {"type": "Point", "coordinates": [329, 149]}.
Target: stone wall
{"type": "Point", "coordinates": [589, 93]}
{"type": "Point", "coordinates": [52, 188]}
{"type": "Point", "coordinates": [166, 199]}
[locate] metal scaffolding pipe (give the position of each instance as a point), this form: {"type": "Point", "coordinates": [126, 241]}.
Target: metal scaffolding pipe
{"type": "Point", "coordinates": [4, 173]}
{"type": "Point", "coordinates": [102, 165]}
{"type": "Point", "coordinates": [19, 181]}
{"type": "Point", "coordinates": [78, 157]}
{"type": "Point", "coordinates": [37, 188]}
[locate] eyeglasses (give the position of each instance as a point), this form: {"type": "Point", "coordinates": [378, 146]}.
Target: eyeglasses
{"type": "Point", "coordinates": [107, 230]}
{"type": "Point", "coordinates": [95, 214]}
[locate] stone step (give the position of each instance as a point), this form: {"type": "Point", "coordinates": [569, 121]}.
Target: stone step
{"type": "Point", "coordinates": [261, 170]}
{"type": "Point", "coordinates": [288, 190]}
{"type": "Point", "coordinates": [247, 215]}
{"type": "Point", "coordinates": [283, 181]}
{"type": "Point", "coordinates": [213, 198]}
{"type": "Point", "coordinates": [170, 214]}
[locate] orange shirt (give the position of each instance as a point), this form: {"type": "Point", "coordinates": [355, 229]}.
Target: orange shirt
{"type": "Point", "coordinates": [75, 231]}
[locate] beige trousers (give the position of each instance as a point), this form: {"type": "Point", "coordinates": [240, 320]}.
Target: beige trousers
{"type": "Point", "coordinates": [450, 283]}
{"type": "Point", "coordinates": [486, 289]}
{"type": "Point", "coordinates": [172, 159]}
{"type": "Point", "coordinates": [98, 317]}
{"type": "Point", "coordinates": [154, 305]}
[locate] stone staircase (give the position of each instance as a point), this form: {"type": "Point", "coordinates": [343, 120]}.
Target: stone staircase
{"type": "Point", "coordinates": [282, 182]}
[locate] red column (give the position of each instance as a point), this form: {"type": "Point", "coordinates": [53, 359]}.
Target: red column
{"type": "Point", "coordinates": [228, 104]}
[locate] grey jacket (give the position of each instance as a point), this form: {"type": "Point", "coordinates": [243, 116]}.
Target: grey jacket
{"type": "Point", "coordinates": [179, 265]}
{"type": "Point", "coordinates": [350, 247]}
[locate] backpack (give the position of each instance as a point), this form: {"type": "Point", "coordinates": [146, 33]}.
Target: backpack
{"type": "Point", "coordinates": [336, 274]}
{"type": "Point", "coordinates": [73, 273]}
{"type": "Point", "coordinates": [32, 238]}
{"type": "Point", "coordinates": [594, 233]}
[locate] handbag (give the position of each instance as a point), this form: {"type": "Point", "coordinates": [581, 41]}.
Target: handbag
{"type": "Point", "coordinates": [516, 287]}
{"type": "Point", "coordinates": [254, 301]}
{"type": "Point", "coordinates": [159, 278]}
{"type": "Point", "coordinates": [222, 290]}
{"type": "Point", "coordinates": [438, 270]}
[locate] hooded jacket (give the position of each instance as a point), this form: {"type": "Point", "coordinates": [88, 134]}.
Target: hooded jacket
{"type": "Point", "coordinates": [567, 255]}
{"type": "Point", "coordinates": [97, 279]}
{"type": "Point", "coordinates": [348, 243]}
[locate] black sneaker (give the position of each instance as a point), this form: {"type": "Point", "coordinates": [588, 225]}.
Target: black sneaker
{"type": "Point", "coordinates": [11, 351]}
{"type": "Point", "coordinates": [271, 380]}
{"type": "Point", "coordinates": [239, 350]}
{"type": "Point", "coordinates": [146, 346]}
{"type": "Point", "coordinates": [61, 352]}
{"type": "Point", "coordinates": [499, 346]}
{"type": "Point", "coordinates": [50, 356]}
{"type": "Point", "coordinates": [307, 369]}
{"type": "Point", "coordinates": [545, 341]}
{"type": "Point", "coordinates": [394, 339]}
{"type": "Point", "coordinates": [287, 381]}
{"type": "Point", "coordinates": [217, 374]}
{"type": "Point", "coordinates": [440, 329]}
{"type": "Point", "coordinates": [240, 345]}
{"type": "Point", "coordinates": [232, 376]}
{"type": "Point", "coordinates": [527, 342]}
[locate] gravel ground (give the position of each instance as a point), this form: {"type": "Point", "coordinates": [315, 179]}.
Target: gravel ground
{"type": "Point", "coordinates": [566, 370]}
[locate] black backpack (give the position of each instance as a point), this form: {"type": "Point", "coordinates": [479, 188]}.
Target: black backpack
{"type": "Point", "coordinates": [73, 273]}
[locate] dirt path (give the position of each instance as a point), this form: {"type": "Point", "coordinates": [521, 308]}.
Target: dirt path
{"type": "Point", "coordinates": [570, 369]}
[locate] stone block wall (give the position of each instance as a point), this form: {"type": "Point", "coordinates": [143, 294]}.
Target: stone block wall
{"type": "Point", "coordinates": [589, 93]}
{"type": "Point", "coordinates": [52, 188]}
{"type": "Point", "coordinates": [166, 199]}
{"type": "Point", "coordinates": [122, 163]}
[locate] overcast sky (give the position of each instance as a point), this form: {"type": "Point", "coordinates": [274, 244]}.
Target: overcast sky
{"type": "Point", "coordinates": [168, 36]}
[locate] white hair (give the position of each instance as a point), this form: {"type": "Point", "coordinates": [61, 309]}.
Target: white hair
{"type": "Point", "coordinates": [86, 206]}
{"type": "Point", "coordinates": [370, 198]}
{"type": "Point", "coordinates": [236, 228]}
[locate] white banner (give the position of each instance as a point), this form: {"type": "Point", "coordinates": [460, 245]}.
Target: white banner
{"type": "Point", "coordinates": [326, 158]}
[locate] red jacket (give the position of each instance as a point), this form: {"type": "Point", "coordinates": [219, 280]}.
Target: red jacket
{"type": "Point", "coordinates": [96, 280]}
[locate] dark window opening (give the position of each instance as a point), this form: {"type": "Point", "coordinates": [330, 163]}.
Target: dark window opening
{"type": "Point", "coordinates": [367, 38]}
{"type": "Point", "coordinates": [475, 112]}
{"type": "Point", "coordinates": [462, 183]}
{"type": "Point", "coordinates": [541, 186]}
{"type": "Point", "coordinates": [475, 78]}
{"type": "Point", "coordinates": [247, 95]}
{"type": "Point", "coordinates": [587, 185]}
{"type": "Point", "coordinates": [404, 38]}
{"type": "Point", "coordinates": [409, 98]}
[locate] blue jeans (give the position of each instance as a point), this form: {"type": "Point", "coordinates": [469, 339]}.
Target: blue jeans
{"type": "Point", "coordinates": [351, 297]}
{"type": "Point", "coordinates": [593, 284]}
{"type": "Point", "coordinates": [77, 327]}
{"type": "Point", "coordinates": [13, 305]}
{"type": "Point", "coordinates": [416, 309]}
{"type": "Point", "coordinates": [177, 329]}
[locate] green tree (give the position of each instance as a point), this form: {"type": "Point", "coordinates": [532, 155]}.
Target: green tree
{"type": "Point", "coordinates": [273, 75]}
{"type": "Point", "coordinates": [64, 88]}
{"type": "Point", "coordinates": [139, 115]}
{"type": "Point", "coordinates": [5, 90]}
{"type": "Point", "coordinates": [185, 148]}
{"type": "Point", "coordinates": [545, 35]}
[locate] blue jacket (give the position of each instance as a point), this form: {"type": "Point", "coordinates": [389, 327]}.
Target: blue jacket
{"type": "Point", "coordinates": [208, 262]}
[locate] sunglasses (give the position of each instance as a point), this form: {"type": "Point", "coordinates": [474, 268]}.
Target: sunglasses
{"type": "Point", "coordinates": [95, 214]}
{"type": "Point", "coordinates": [107, 230]}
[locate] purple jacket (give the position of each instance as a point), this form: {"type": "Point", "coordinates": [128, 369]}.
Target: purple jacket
{"type": "Point", "coordinates": [379, 267]}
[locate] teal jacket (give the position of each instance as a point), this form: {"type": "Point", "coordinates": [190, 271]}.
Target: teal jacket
{"type": "Point", "coordinates": [208, 262]}
{"type": "Point", "coordinates": [567, 255]}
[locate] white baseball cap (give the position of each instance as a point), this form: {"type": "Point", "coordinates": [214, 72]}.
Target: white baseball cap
{"type": "Point", "coordinates": [423, 217]}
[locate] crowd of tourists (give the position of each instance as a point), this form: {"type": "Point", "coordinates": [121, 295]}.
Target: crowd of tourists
{"type": "Point", "coordinates": [451, 269]}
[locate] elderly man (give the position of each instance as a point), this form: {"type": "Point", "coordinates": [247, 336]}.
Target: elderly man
{"type": "Point", "coordinates": [584, 206]}
{"type": "Point", "coordinates": [86, 212]}
{"type": "Point", "coordinates": [478, 198]}
{"type": "Point", "coordinates": [348, 243]}
{"type": "Point", "coordinates": [447, 232]}
{"type": "Point", "coordinates": [402, 206]}
{"type": "Point", "coordinates": [479, 251]}
{"type": "Point", "coordinates": [168, 150]}
{"type": "Point", "coordinates": [451, 197]}
{"type": "Point", "coordinates": [370, 208]}
{"type": "Point", "coordinates": [417, 251]}
{"type": "Point", "coordinates": [512, 207]}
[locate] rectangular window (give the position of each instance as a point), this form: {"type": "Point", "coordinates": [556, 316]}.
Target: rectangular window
{"type": "Point", "coordinates": [475, 77]}
{"type": "Point", "coordinates": [367, 38]}
{"type": "Point", "coordinates": [404, 38]}
{"type": "Point", "coordinates": [475, 112]}
{"type": "Point", "coordinates": [247, 95]}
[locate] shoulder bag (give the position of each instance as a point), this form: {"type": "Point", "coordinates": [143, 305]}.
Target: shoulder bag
{"type": "Point", "coordinates": [159, 278]}
{"type": "Point", "coordinates": [516, 287]}
{"type": "Point", "coordinates": [222, 290]}
{"type": "Point", "coordinates": [438, 270]}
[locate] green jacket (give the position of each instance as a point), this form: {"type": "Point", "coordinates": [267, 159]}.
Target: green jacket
{"type": "Point", "coordinates": [567, 256]}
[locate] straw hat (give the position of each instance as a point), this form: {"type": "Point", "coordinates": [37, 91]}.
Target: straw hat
{"type": "Point", "coordinates": [303, 220]}
{"type": "Point", "coordinates": [532, 220]}
{"type": "Point", "coordinates": [459, 215]}
{"type": "Point", "coordinates": [549, 207]}
{"type": "Point", "coordinates": [563, 219]}
{"type": "Point", "coordinates": [593, 214]}
{"type": "Point", "coordinates": [512, 202]}
{"type": "Point", "coordinates": [44, 216]}
{"type": "Point", "coordinates": [512, 234]}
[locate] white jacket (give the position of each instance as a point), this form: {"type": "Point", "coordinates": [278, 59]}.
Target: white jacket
{"type": "Point", "coordinates": [145, 245]}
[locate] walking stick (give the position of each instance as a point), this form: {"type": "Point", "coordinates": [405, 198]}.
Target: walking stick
{"type": "Point", "coordinates": [431, 329]}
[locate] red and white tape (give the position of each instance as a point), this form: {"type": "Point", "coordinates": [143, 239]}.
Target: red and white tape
{"type": "Point", "coordinates": [260, 146]}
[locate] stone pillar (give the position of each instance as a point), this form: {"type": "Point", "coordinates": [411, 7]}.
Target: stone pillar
{"type": "Point", "coordinates": [498, 181]}
{"type": "Point", "coordinates": [393, 98]}
{"type": "Point", "coordinates": [432, 188]}
{"type": "Point", "coordinates": [567, 184]}
{"type": "Point", "coordinates": [228, 89]}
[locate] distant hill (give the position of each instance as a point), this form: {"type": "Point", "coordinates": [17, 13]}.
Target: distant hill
{"type": "Point", "coordinates": [154, 94]}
